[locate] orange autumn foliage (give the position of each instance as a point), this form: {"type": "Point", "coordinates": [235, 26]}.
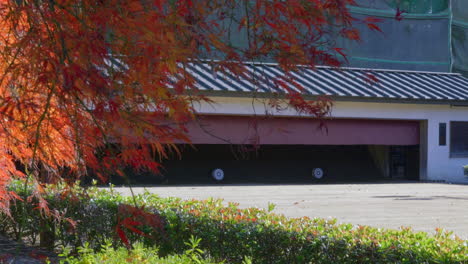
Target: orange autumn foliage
{"type": "Point", "coordinates": [78, 76]}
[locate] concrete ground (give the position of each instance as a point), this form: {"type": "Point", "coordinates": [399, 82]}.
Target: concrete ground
{"type": "Point", "coordinates": [422, 206]}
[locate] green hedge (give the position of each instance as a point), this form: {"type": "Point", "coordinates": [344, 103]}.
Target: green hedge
{"type": "Point", "coordinates": [139, 254]}
{"type": "Point", "coordinates": [229, 233]}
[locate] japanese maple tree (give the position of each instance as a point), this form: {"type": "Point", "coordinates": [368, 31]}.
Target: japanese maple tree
{"type": "Point", "coordinates": [96, 85]}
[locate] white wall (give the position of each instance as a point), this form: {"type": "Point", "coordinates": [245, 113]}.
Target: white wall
{"type": "Point", "coordinates": [439, 164]}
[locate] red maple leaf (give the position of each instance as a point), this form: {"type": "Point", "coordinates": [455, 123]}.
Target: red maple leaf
{"type": "Point", "coordinates": [399, 14]}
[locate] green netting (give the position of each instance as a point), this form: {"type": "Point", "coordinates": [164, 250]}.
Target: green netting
{"type": "Point", "coordinates": [460, 10]}
{"type": "Point", "coordinates": [429, 35]}
{"type": "Point", "coordinates": [416, 42]}
{"type": "Point", "coordinates": [460, 48]}
{"type": "Point", "coordinates": [409, 6]}
{"type": "Point", "coordinates": [460, 36]}
{"type": "Point", "coordinates": [420, 6]}
{"type": "Point", "coordinates": [405, 40]}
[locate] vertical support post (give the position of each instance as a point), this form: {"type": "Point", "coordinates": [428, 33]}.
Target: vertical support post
{"type": "Point", "coordinates": [423, 148]}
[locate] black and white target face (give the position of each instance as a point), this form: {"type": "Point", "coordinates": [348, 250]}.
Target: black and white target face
{"type": "Point", "coordinates": [317, 173]}
{"type": "Point", "coordinates": [218, 174]}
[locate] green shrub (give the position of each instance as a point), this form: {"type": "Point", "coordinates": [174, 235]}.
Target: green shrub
{"type": "Point", "coordinates": [228, 233]}
{"type": "Point", "coordinates": [139, 254]}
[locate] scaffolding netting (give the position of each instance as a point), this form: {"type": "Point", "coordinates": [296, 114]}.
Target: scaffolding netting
{"type": "Point", "coordinates": [420, 35]}
{"type": "Point", "coordinates": [424, 35]}
{"type": "Point", "coordinates": [460, 36]}
{"type": "Point", "coordinates": [409, 6]}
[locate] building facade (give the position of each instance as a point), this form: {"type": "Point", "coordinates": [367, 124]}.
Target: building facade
{"type": "Point", "coordinates": [412, 123]}
{"type": "Point", "coordinates": [406, 125]}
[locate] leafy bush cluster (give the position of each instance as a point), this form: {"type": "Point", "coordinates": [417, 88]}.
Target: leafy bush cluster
{"type": "Point", "coordinates": [139, 254]}
{"type": "Point", "coordinates": [227, 233]}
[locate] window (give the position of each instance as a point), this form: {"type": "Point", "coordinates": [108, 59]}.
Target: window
{"type": "Point", "coordinates": [458, 139]}
{"type": "Point", "coordinates": [442, 134]}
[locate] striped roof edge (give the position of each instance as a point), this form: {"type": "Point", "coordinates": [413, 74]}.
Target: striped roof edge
{"type": "Point", "coordinates": [358, 84]}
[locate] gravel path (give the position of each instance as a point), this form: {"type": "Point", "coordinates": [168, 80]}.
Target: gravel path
{"type": "Point", "coordinates": [12, 252]}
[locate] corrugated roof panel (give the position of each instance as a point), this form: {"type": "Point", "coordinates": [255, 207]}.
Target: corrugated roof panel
{"type": "Point", "coordinates": [360, 83]}
{"type": "Point", "coordinates": [318, 86]}
{"type": "Point", "coordinates": [374, 88]}
{"type": "Point", "coordinates": [421, 80]}
{"type": "Point", "coordinates": [343, 82]}
{"type": "Point", "coordinates": [311, 88]}
{"type": "Point", "coordinates": [410, 83]}
{"type": "Point", "coordinates": [393, 85]}
{"type": "Point", "coordinates": [455, 83]}
{"type": "Point", "coordinates": [448, 84]}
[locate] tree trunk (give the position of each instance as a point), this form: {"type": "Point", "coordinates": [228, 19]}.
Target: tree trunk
{"type": "Point", "coordinates": [47, 235]}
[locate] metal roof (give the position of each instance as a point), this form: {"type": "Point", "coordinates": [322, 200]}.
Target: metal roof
{"type": "Point", "coordinates": [345, 83]}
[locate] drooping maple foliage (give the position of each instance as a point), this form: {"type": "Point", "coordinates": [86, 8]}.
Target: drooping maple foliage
{"type": "Point", "coordinates": [101, 84]}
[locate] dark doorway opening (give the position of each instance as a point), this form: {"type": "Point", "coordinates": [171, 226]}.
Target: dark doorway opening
{"type": "Point", "coordinates": [404, 162]}
{"type": "Point", "coordinates": [282, 164]}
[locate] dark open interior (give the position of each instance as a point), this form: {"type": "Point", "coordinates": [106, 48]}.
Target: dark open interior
{"type": "Point", "coordinates": [286, 164]}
